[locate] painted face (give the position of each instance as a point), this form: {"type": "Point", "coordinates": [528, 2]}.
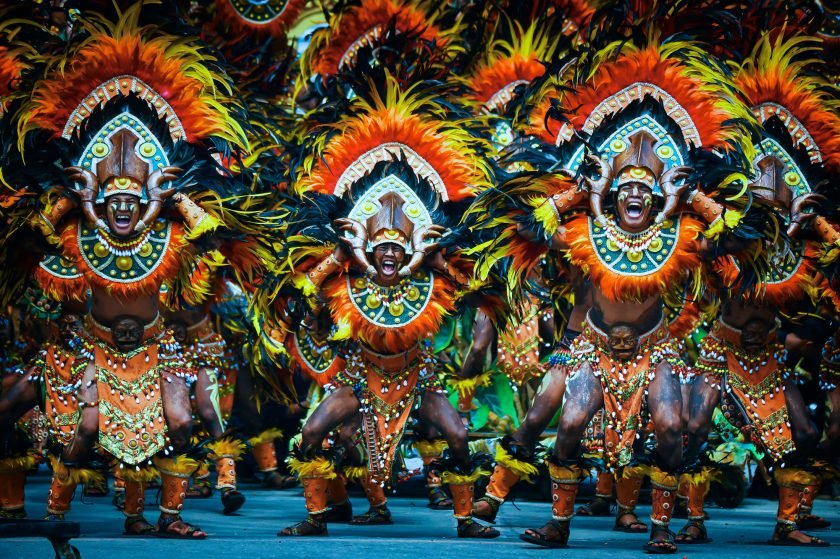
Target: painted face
{"type": "Point", "coordinates": [754, 336]}
{"type": "Point", "coordinates": [127, 333]}
{"type": "Point", "coordinates": [69, 325]}
{"type": "Point", "coordinates": [634, 205]}
{"type": "Point", "coordinates": [623, 342]}
{"type": "Point", "coordinates": [123, 214]}
{"type": "Point", "coordinates": [388, 258]}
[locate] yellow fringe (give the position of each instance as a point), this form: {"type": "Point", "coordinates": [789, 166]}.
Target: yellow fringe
{"type": "Point", "coordinates": [794, 477]}
{"type": "Point", "coordinates": [546, 214]}
{"type": "Point", "coordinates": [302, 282]}
{"type": "Point", "coordinates": [355, 473]}
{"type": "Point", "coordinates": [728, 221]}
{"type": "Point", "coordinates": [702, 477]}
{"type": "Point", "coordinates": [15, 464]}
{"type": "Point", "coordinates": [178, 465]}
{"type": "Point", "coordinates": [267, 436]}
{"type": "Point", "coordinates": [343, 331]}
{"type": "Point", "coordinates": [319, 467]}
{"type": "Point", "coordinates": [431, 448]}
{"type": "Point", "coordinates": [829, 254]}
{"type": "Point", "coordinates": [226, 447]}
{"type": "Point", "coordinates": [468, 386]}
{"type": "Point", "coordinates": [75, 476]}
{"type": "Point", "coordinates": [451, 478]}
{"type": "Point", "coordinates": [565, 474]}
{"type": "Point", "coordinates": [662, 479]}
{"type": "Point", "coordinates": [143, 475]}
{"type": "Point", "coordinates": [207, 224]}
{"type": "Point", "coordinates": [634, 472]}
{"type": "Point", "coordinates": [523, 469]}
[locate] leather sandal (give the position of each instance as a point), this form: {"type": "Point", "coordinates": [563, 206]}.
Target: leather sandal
{"type": "Point", "coordinates": [309, 527]}
{"type": "Point", "coordinates": [554, 534]}
{"type": "Point", "coordinates": [684, 536]}
{"type": "Point", "coordinates": [374, 516]}
{"type": "Point", "coordinates": [469, 528]}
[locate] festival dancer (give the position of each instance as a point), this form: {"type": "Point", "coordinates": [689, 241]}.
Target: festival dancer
{"type": "Point", "coordinates": [744, 368]}
{"type": "Point", "coordinates": [624, 359]}
{"type": "Point", "coordinates": [132, 139]}
{"type": "Point", "coordinates": [398, 173]}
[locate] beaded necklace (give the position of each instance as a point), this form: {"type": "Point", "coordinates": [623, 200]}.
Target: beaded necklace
{"type": "Point", "coordinates": [633, 242]}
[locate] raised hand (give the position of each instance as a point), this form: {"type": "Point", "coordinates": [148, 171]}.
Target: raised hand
{"type": "Point", "coordinates": [674, 188]}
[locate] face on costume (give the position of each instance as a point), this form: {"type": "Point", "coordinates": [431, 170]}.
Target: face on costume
{"type": "Point", "coordinates": [127, 333]}
{"type": "Point", "coordinates": [388, 258]}
{"type": "Point", "coordinates": [623, 342]}
{"type": "Point", "coordinates": [634, 206]}
{"type": "Point", "coordinates": [754, 336]}
{"type": "Point", "coordinates": [69, 325]}
{"type": "Point", "coordinates": [123, 214]}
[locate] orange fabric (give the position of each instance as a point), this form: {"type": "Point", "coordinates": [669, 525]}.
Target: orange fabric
{"type": "Point", "coordinates": [12, 490]}
{"type": "Point", "coordinates": [338, 490]}
{"type": "Point", "coordinates": [518, 354]}
{"type": "Point", "coordinates": [392, 398]}
{"type": "Point", "coordinates": [563, 499]}
{"type": "Point", "coordinates": [61, 370]}
{"type": "Point", "coordinates": [706, 207]}
{"type": "Point", "coordinates": [627, 491]}
{"type": "Point", "coordinates": [149, 285]}
{"type": "Point", "coordinates": [173, 491]}
{"type": "Point", "coordinates": [315, 492]}
{"type": "Point", "coordinates": [226, 472]}
{"type": "Point", "coordinates": [374, 492]}
{"type": "Point", "coordinates": [119, 480]}
{"type": "Point", "coordinates": [462, 498]}
{"type": "Point", "coordinates": [790, 499]}
{"type": "Point", "coordinates": [60, 495]}
{"type": "Point", "coordinates": [696, 497]}
{"type": "Point", "coordinates": [604, 485]}
{"type": "Point", "coordinates": [501, 482]}
{"type": "Point", "coordinates": [265, 456]}
{"type": "Point", "coordinates": [390, 340]}
{"type": "Point", "coordinates": [135, 498]}
{"type": "Point", "coordinates": [129, 388]}
{"type": "Point", "coordinates": [662, 504]}
{"type": "Point", "coordinates": [809, 493]}
{"type": "Point", "coordinates": [626, 287]}
{"type": "Point", "coordinates": [760, 390]}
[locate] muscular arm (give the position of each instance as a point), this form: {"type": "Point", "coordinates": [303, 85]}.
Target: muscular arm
{"type": "Point", "coordinates": [482, 338]}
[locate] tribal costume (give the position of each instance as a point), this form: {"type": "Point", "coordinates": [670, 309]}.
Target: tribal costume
{"type": "Point", "coordinates": [649, 112]}
{"type": "Point", "coordinates": [758, 394]}
{"type": "Point", "coordinates": [124, 155]}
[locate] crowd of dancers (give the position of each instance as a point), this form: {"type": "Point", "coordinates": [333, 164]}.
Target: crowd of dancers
{"type": "Point", "coordinates": [399, 228]}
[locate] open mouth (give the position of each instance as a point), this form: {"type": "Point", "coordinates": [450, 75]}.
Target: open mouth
{"type": "Point", "coordinates": [635, 209]}
{"type": "Point", "coordinates": [122, 220]}
{"type": "Point", "coordinates": [389, 267]}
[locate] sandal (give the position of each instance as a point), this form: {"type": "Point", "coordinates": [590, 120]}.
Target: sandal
{"type": "Point", "coordinates": [174, 528]}
{"type": "Point", "coordinates": [684, 536]}
{"type": "Point", "coordinates": [438, 499]}
{"type": "Point", "coordinates": [492, 504]}
{"type": "Point", "coordinates": [812, 522]}
{"type": "Point", "coordinates": [599, 506]}
{"type": "Point", "coordinates": [555, 534]}
{"type": "Point", "coordinates": [374, 516]}
{"type": "Point", "coordinates": [469, 528]}
{"type": "Point", "coordinates": [309, 527]}
{"type": "Point", "coordinates": [130, 527]}
{"type": "Point", "coordinates": [232, 501]}
{"type": "Point", "coordinates": [14, 514]}
{"type": "Point", "coordinates": [663, 544]}
{"type": "Point", "coordinates": [635, 526]}
{"type": "Point", "coordinates": [781, 537]}
{"type": "Point", "coordinates": [339, 513]}
{"type": "Point", "coordinates": [201, 489]}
